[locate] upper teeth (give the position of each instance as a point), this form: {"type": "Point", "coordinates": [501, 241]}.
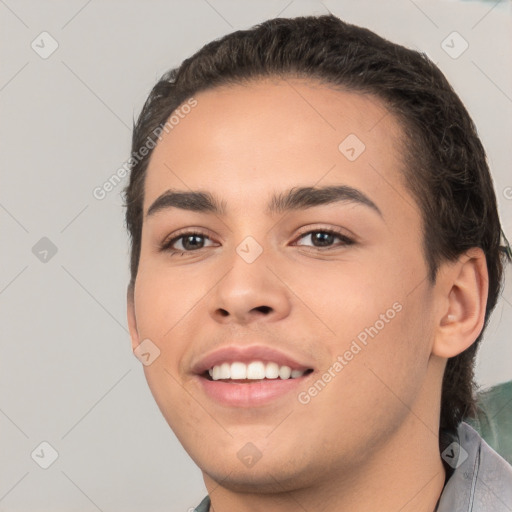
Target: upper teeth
{"type": "Point", "coordinates": [255, 370]}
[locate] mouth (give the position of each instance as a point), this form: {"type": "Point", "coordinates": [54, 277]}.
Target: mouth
{"type": "Point", "coordinates": [246, 377]}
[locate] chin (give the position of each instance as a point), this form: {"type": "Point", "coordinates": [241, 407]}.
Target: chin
{"type": "Point", "coordinates": [267, 479]}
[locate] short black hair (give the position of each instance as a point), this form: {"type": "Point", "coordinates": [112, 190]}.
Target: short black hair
{"type": "Point", "coordinates": [445, 162]}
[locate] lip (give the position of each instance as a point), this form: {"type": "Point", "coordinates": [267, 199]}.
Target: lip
{"type": "Point", "coordinates": [233, 353]}
{"type": "Point", "coordinates": [249, 394]}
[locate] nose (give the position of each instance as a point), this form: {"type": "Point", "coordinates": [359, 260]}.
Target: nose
{"type": "Point", "coordinates": [250, 292]}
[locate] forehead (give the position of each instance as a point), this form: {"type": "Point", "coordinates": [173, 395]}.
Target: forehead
{"type": "Point", "coordinates": [242, 141]}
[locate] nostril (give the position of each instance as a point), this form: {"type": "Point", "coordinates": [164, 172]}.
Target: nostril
{"type": "Point", "coordinates": [264, 309]}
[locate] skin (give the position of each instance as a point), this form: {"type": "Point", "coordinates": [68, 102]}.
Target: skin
{"type": "Point", "coordinates": [371, 435]}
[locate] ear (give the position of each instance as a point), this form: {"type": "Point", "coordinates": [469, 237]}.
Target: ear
{"type": "Point", "coordinates": [463, 290]}
{"type": "Point", "coordinates": [132, 320]}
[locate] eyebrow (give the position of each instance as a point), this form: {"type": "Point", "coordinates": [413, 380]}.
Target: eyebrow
{"type": "Point", "coordinates": [297, 198]}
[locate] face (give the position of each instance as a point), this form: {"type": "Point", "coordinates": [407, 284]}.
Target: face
{"type": "Point", "coordinates": [329, 286]}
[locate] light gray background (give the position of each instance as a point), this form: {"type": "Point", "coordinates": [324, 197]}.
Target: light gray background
{"type": "Point", "coordinates": [67, 373]}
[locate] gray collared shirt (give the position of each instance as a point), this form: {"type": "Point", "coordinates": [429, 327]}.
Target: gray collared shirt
{"type": "Point", "coordinates": [481, 480]}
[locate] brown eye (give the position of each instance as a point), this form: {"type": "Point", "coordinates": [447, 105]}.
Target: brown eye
{"type": "Point", "coordinates": [192, 242]}
{"type": "Point", "coordinates": [186, 242]}
{"type": "Point", "coordinates": [325, 238]}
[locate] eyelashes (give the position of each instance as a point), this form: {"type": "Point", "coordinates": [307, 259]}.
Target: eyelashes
{"type": "Point", "coordinates": [185, 238]}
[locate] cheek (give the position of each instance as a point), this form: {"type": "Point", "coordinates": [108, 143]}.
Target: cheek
{"type": "Point", "coordinates": [345, 297]}
{"type": "Point", "coordinates": [164, 302]}
{"type": "Point", "coordinates": [158, 312]}
{"type": "Point", "coordinates": [386, 362]}
{"type": "Point", "coordinates": [153, 306]}
{"type": "Point", "coordinates": [161, 311]}
{"type": "Point", "coordinates": [381, 339]}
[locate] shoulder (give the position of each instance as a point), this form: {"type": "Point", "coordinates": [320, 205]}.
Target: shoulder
{"type": "Point", "coordinates": [482, 479]}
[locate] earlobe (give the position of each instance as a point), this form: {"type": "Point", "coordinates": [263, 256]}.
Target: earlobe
{"type": "Point", "coordinates": [464, 288]}
{"type": "Point", "coordinates": [132, 320]}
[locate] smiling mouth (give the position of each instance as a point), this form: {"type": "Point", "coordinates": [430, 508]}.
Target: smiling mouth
{"type": "Point", "coordinates": [256, 382]}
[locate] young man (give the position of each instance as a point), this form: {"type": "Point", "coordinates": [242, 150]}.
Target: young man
{"type": "Point", "coordinates": [315, 254]}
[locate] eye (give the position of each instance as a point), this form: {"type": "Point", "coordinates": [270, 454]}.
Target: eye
{"type": "Point", "coordinates": [324, 238]}
{"type": "Point", "coordinates": [188, 241]}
